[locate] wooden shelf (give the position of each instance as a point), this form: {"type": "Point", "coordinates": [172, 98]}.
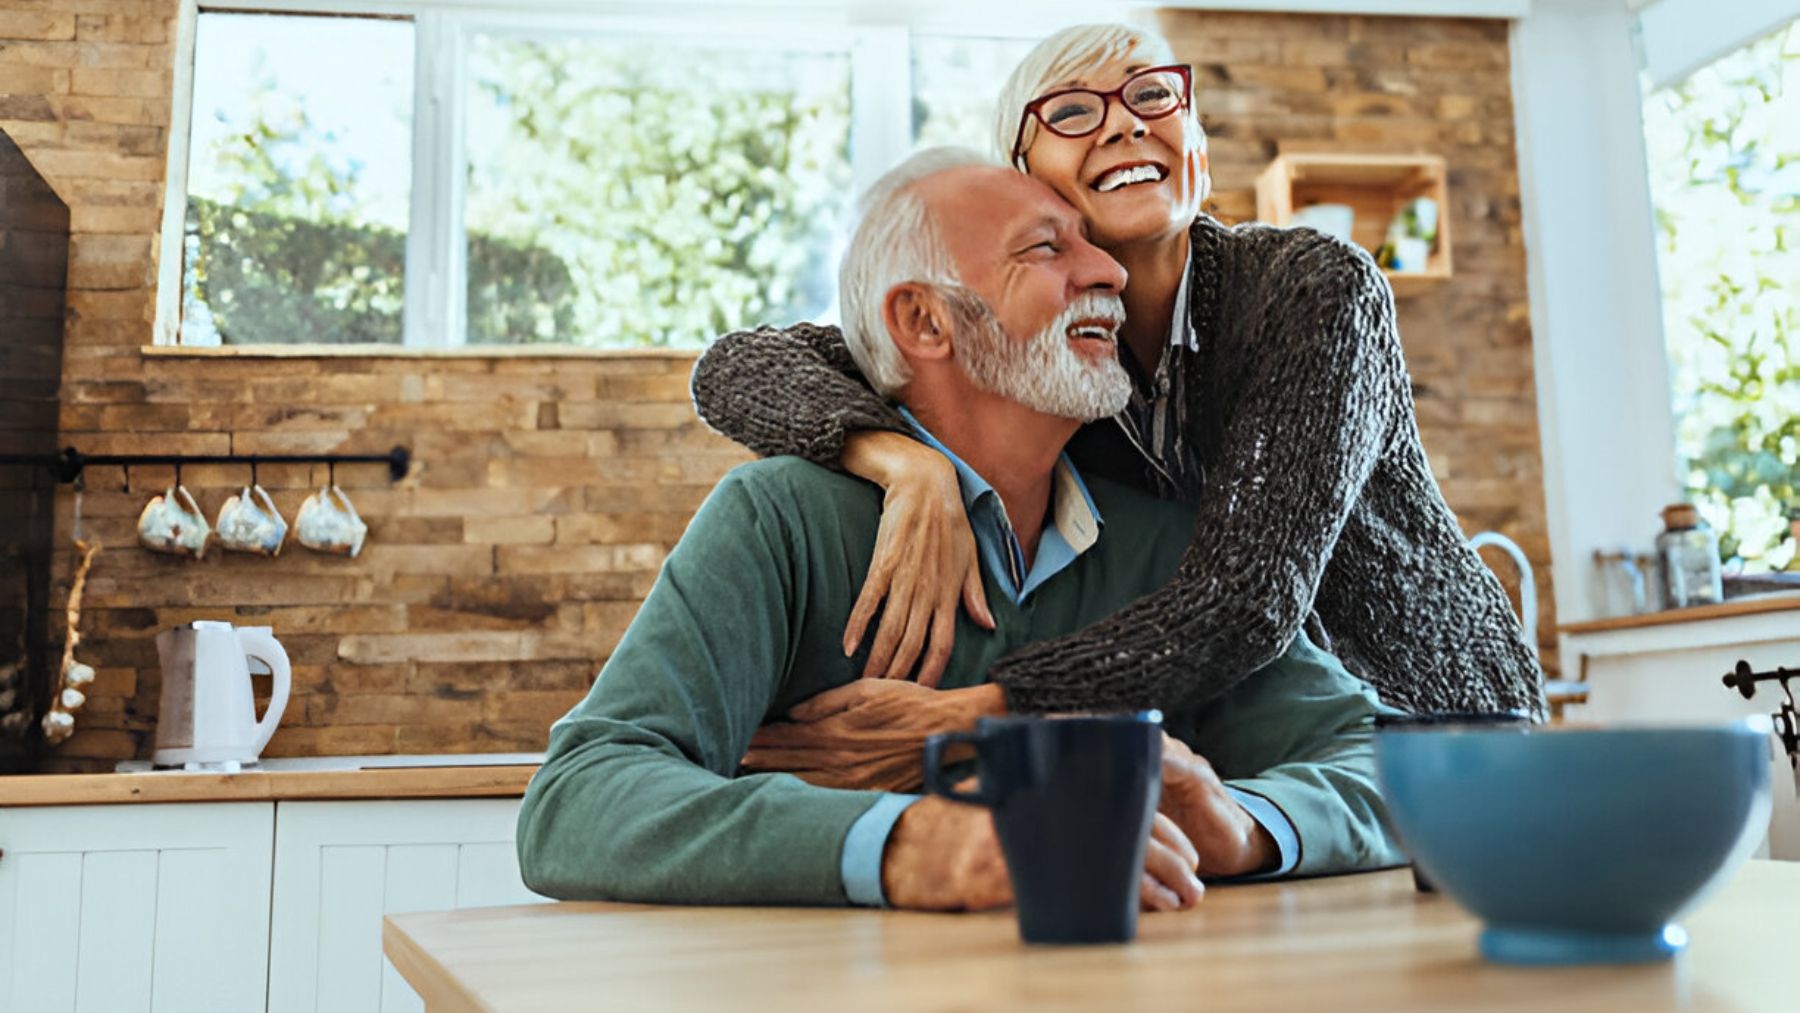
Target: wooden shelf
{"type": "Point", "coordinates": [1375, 187]}
{"type": "Point", "coordinates": [1783, 602]}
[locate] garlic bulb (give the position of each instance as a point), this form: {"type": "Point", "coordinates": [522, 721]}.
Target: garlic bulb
{"type": "Point", "coordinates": [78, 674]}
{"type": "Point", "coordinates": [72, 699]}
{"type": "Point", "coordinates": [58, 726]}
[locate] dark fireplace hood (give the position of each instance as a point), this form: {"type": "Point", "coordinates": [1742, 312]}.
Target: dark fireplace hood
{"type": "Point", "coordinates": [34, 270]}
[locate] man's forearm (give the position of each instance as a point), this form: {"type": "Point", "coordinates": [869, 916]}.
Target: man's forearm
{"type": "Point", "coordinates": [613, 815]}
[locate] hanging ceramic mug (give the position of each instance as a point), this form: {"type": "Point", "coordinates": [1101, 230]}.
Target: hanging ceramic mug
{"type": "Point", "coordinates": [249, 522]}
{"type": "Point", "coordinates": [173, 523]}
{"type": "Point", "coordinates": [327, 522]}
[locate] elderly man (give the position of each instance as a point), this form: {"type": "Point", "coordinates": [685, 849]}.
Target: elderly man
{"type": "Point", "coordinates": [997, 336]}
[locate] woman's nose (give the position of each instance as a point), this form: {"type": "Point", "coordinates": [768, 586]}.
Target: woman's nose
{"type": "Point", "coordinates": [1120, 123]}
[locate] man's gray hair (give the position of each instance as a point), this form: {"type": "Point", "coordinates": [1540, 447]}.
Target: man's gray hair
{"type": "Point", "coordinates": [895, 241]}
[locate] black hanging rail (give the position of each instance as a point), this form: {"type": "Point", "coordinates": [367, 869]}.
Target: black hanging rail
{"type": "Point", "coordinates": [68, 465]}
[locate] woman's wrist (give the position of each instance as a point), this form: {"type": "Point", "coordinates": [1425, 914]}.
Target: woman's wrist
{"type": "Point", "coordinates": [887, 458]}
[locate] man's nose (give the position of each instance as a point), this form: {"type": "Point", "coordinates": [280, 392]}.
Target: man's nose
{"type": "Point", "coordinates": [1096, 270]}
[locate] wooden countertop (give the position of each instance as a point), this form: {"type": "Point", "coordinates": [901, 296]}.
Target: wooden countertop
{"type": "Point", "coordinates": [266, 785]}
{"type": "Point", "coordinates": [1348, 942]}
{"type": "Point", "coordinates": [1739, 607]}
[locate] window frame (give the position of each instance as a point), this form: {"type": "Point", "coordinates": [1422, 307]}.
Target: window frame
{"type": "Point", "coordinates": [434, 315]}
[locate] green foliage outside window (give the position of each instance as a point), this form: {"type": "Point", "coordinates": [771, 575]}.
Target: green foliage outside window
{"type": "Point", "coordinates": [691, 191]}
{"type": "Point", "coordinates": [622, 195]}
{"type": "Point", "coordinates": [277, 279]}
{"type": "Point", "coordinates": [1724, 150]}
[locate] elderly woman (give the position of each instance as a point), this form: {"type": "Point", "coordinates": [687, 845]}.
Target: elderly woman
{"type": "Point", "coordinates": [1269, 390]}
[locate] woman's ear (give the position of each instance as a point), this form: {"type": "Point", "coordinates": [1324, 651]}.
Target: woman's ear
{"type": "Point", "coordinates": [918, 320]}
{"type": "Point", "coordinates": [1202, 165]}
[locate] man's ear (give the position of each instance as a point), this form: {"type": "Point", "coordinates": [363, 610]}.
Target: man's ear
{"type": "Point", "coordinates": [919, 321]}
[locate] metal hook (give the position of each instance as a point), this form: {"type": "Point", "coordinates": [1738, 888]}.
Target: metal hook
{"type": "Point", "coordinates": [253, 482]}
{"type": "Point", "coordinates": [331, 473]}
{"type": "Point", "coordinates": [177, 474]}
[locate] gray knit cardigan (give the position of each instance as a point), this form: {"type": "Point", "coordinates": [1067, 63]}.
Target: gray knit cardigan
{"type": "Point", "coordinates": [1313, 494]}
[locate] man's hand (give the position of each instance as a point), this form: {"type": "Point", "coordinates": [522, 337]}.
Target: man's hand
{"type": "Point", "coordinates": [1227, 839]}
{"type": "Point", "coordinates": [868, 734]}
{"type": "Point", "coordinates": [945, 856]}
{"type": "Point", "coordinates": [1169, 863]}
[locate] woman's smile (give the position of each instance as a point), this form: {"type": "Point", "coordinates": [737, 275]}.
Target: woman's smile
{"type": "Point", "coordinates": [1130, 173]}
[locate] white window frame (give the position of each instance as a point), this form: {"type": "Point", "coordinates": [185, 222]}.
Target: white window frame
{"type": "Point", "coordinates": [878, 41]}
{"type": "Point", "coordinates": [1606, 416]}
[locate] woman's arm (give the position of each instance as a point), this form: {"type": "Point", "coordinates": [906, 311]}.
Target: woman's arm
{"type": "Point", "coordinates": [790, 391]}
{"type": "Point", "coordinates": [1316, 412]}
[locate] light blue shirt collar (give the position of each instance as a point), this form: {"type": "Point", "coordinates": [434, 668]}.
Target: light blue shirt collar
{"type": "Point", "coordinates": [1075, 525]}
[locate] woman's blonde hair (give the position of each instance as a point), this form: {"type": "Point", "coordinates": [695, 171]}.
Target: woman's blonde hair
{"type": "Point", "coordinates": [1070, 53]}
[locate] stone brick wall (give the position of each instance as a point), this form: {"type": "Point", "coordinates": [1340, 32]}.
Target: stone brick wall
{"type": "Point", "coordinates": [500, 574]}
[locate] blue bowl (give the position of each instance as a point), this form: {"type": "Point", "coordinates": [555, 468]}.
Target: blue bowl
{"type": "Point", "coordinates": [1577, 846]}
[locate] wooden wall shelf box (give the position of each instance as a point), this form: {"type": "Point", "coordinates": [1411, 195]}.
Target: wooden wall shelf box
{"type": "Point", "coordinates": [1375, 186]}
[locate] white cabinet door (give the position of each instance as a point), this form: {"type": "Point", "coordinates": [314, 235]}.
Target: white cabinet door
{"type": "Point", "coordinates": [1675, 674]}
{"type": "Point", "coordinates": [341, 866]}
{"type": "Point", "coordinates": [129, 908]}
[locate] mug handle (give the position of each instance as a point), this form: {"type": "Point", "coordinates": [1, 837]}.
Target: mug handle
{"type": "Point", "coordinates": [935, 781]}
{"type": "Point", "coordinates": [344, 502]}
{"type": "Point", "coordinates": [268, 504]}
{"type": "Point", "coordinates": [187, 500]}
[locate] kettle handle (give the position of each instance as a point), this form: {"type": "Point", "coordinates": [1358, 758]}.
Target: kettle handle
{"type": "Point", "coordinates": [260, 643]}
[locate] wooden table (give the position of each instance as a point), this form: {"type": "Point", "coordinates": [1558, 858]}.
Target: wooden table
{"type": "Point", "coordinates": [1351, 942]}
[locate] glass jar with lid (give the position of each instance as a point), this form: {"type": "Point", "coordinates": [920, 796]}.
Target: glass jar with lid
{"type": "Point", "coordinates": [1688, 554]}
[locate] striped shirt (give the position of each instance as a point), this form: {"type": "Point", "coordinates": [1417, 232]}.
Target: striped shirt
{"type": "Point", "coordinates": [1155, 417]}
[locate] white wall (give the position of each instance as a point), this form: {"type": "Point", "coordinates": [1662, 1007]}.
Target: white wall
{"type": "Point", "coordinates": [1603, 391]}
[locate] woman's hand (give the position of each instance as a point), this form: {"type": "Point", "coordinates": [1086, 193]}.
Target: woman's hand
{"type": "Point", "coordinates": [925, 560]}
{"type": "Point", "coordinates": [868, 735]}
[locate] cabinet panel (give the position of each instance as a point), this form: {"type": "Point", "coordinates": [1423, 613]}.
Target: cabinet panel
{"type": "Point", "coordinates": [488, 876]}
{"type": "Point", "coordinates": [350, 904]}
{"type": "Point", "coordinates": [340, 866]}
{"type": "Point", "coordinates": [135, 907]}
{"type": "Point", "coordinates": [45, 930]}
{"type": "Point", "coordinates": [118, 920]}
{"type": "Point", "coordinates": [420, 877]}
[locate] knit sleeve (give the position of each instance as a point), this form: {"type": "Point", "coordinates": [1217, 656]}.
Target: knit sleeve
{"type": "Point", "coordinates": [793, 390]}
{"type": "Point", "coordinates": [1319, 396]}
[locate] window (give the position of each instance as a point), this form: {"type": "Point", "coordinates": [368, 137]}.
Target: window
{"type": "Point", "coordinates": [650, 191]}
{"type": "Point", "coordinates": [299, 190]}
{"type": "Point", "coordinates": [1724, 150]}
{"type": "Point", "coordinates": [956, 80]}
{"type": "Point", "coordinates": [555, 175]}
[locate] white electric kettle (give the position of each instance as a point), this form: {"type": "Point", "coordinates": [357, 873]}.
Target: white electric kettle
{"type": "Point", "coordinates": [208, 713]}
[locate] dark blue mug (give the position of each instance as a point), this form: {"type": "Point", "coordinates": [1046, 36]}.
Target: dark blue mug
{"type": "Point", "coordinates": [1073, 799]}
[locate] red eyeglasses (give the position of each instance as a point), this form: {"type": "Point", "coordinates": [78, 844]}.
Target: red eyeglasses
{"type": "Point", "coordinates": [1149, 94]}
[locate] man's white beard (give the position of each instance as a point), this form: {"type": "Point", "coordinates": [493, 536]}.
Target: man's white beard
{"type": "Point", "coordinates": [1045, 374]}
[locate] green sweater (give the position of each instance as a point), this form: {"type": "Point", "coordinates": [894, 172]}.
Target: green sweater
{"type": "Point", "coordinates": [639, 798]}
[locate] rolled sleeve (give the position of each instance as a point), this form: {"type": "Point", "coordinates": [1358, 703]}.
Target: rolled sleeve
{"type": "Point", "coordinates": [1267, 813]}
{"type": "Point", "coordinates": [864, 846]}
